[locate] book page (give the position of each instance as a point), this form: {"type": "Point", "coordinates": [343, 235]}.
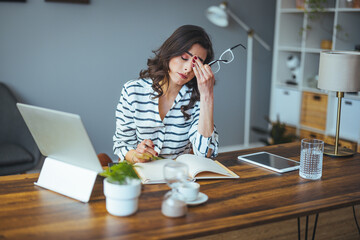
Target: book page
{"type": "Point", "coordinates": [201, 167]}
{"type": "Point", "coordinates": [152, 172]}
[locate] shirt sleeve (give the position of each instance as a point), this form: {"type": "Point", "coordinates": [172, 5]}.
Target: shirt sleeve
{"type": "Point", "coordinates": [200, 144]}
{"type": "Point", "coordinates": [125, 134]}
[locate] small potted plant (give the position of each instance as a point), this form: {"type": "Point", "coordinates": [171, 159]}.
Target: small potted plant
{"type": "Point", "coordinates": [122, 189]}
{"type": "Point", "coordinates": [277, 134]}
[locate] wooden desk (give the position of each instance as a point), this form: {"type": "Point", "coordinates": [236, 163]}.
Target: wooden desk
{"type": "Point", "coordinates": [260, 196]}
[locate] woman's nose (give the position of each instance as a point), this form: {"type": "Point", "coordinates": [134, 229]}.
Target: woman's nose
{"type": "Point", "coordinates": [188, 66]}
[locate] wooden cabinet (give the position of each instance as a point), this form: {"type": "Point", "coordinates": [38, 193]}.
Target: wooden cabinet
{"type": "Point", "coordinates": [311, 134]}
{"type": "Point", "coordinates": [313, 110]}
{"type": "Point", "coordinates": [342, 143]}
{"type": "Point", "coordinates": [308, 109]}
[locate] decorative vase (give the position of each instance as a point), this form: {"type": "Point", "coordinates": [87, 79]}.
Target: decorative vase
{"type": "Point", "coordinates": [349, 3]}
{"type": "Point", "coordinates": [326, 44]}
{"type": "Point", "coordinates": [122, 200]}
{"type": "Point", "coordinates": [300, 4]}
{"type": "Point", "coordinates": [356, 3]}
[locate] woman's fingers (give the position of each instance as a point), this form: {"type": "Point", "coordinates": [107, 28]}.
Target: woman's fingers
{"type": "Point", "coordinates": [149, 147]}
{"type": "Point", "coordinates": [142, 157]}
{"type": "Point", "coordinates": [195, 69]}
{"type": "Point", "coordinates": [148, 143]}
{"type": "Point", "coordinates": [139, 158]}
{"type": "Point", "coordinates": [202, 72]}
{"type": "Point", "coordinates": [145, 146]}
{"type": "Point", "coordinates": [204, 76]}
{"type": "Point", "coordinates": [145, 151]}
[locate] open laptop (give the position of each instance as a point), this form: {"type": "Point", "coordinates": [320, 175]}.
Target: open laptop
{"type": "Point", "coordinates": [71, 165]}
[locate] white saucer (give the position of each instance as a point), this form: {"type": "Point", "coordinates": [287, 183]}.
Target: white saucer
{"type": "Point", "coordinates": [202, 197]}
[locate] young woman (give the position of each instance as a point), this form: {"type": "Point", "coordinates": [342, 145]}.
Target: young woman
{"type": "Point", "coordinates": [168, 111]}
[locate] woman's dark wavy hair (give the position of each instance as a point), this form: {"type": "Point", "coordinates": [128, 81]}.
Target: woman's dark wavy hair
{"type": "Point", "coordinates": [179, 42]}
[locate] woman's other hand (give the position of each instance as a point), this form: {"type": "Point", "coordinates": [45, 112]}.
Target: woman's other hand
{"type": "Point", "coordinates": [144, 152]}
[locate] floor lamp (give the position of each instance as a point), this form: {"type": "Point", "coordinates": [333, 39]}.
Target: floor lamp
{"type": "Point", "coordinates": [219, 15]}
{"type": "Point", "coordinates": [339, 71]}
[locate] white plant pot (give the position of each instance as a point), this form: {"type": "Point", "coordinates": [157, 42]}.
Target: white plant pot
{"type": "Point", "coordinates": [122, 200]}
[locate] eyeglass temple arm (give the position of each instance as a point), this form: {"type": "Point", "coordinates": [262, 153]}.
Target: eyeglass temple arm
{"type": "Point", "coordinates": [211, 63]}
{"type": "Point", "coordinates": [237, 46]}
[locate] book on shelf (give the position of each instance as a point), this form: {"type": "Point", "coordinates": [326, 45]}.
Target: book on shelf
{"type": "Point", "coordinates": [199, 168]}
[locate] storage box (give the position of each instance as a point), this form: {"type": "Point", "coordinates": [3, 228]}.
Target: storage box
{"type": "Point", "coordinates": [313, 110]}
{"type": "Point", "coordinates": [310, 134]}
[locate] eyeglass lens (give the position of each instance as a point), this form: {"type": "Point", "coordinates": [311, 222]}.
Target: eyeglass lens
{"type": "Point", "coordinates": [226, 57]}
{"type": "Point", "coordinates": [215, 67]}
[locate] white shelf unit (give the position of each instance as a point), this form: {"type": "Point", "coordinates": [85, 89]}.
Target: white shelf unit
{"type": "Point", "coordinates": [336, 23]}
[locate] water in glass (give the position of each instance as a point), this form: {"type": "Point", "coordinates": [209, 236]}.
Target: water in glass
{"type": "Point", "coordinates": [311, 159]}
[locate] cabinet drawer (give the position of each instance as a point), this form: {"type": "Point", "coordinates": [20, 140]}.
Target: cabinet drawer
{"type": "Point", "coordinates": [310, 134]}
{"type": "Point", "coordinates": [349, 118]}
{"type": "Point", "coordinates": [286, 106]}
{"type": "Point", "coordinates": [342, 143]}
{"type": "Point", "coordinates": [313, 110]}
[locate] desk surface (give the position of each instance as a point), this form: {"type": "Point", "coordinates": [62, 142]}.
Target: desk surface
{"type": "Point", "coordinates": [260, 196]}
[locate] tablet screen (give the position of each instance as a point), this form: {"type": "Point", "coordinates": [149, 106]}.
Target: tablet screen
{"type": "Point", "coordinates": [271, 161]}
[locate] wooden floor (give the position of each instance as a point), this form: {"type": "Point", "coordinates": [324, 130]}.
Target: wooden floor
{"type": "Point", "coordinates": [333, 225]}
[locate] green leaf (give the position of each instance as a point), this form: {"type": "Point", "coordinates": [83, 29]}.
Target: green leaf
{"type": "Point", "coordinates": [277, 133]}
{"type": "Point", "coordinates": [119, 173]}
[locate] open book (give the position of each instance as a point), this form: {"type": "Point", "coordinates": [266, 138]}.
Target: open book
{"type": "Point", "coordinates": [199, 168]}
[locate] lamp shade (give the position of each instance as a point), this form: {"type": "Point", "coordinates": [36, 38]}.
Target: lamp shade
{"type": "Point", "coordinates": [218, 15]}
{"type": "Point", "coordinates": [339, 71]}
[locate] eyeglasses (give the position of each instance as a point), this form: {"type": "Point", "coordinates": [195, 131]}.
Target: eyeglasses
{"type": "Point", "coordinates": [226, 57]}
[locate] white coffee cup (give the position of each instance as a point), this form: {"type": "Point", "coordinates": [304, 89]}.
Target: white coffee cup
{"type": "Point", "coordinates": [190, 191]}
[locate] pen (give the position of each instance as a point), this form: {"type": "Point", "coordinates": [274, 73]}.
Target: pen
{"type": "Point", "coordinates": [148, 156]}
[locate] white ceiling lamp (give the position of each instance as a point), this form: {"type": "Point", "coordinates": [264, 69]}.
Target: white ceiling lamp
{"type": "Point", "coordinates": [219, 15]}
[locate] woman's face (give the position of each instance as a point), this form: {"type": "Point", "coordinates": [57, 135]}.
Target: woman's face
{"type": "Point", "coordinates": [180, 67]}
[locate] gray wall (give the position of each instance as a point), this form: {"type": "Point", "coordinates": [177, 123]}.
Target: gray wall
{"type": "Point", "coordinates": [75, 58]}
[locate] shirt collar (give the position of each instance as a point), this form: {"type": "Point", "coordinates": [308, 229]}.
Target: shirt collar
{"type": "Point", "coordinates": [181, 93]}
{"type": "Point", "coordinates": [184, 89]}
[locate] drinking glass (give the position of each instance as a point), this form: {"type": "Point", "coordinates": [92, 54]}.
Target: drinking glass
{"type": "Point", "coordinates": [175, 174]}
{"type": "Point", "coordinates": [311, 158]}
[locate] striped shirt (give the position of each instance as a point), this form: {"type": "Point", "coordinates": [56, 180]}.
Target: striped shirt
{"type": "Point", "coordinates": [138, 118]}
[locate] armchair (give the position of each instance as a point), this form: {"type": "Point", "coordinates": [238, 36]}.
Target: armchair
{"type": "Point", "coordinates": [18, 150]}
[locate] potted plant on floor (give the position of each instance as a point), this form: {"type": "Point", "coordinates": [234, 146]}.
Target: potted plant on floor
{"type": "Point", "coordinates": [122, 189]}
{"type": "Point", "coordinates": [277, 134]}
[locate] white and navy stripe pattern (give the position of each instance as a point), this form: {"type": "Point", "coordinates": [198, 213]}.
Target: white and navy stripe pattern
{"type": "Point", "coordinates": [138, 118]}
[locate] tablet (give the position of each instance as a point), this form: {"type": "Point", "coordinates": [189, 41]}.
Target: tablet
{"type": "Point", "coordinates": [71, 164]}
{"type": "Point", "coordinates": [271, 161]}
{"type": "Point", "coordinates": [61, 136]}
